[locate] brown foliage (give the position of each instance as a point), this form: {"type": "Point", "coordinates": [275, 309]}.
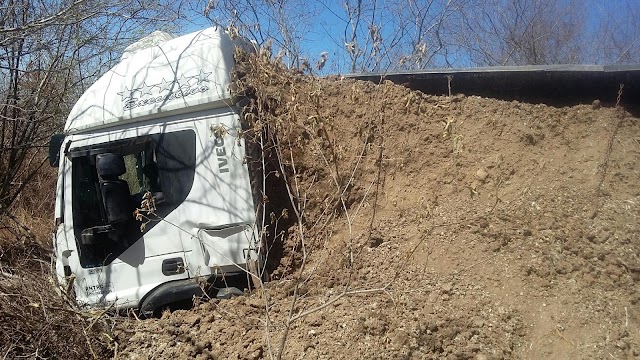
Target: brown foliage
{"type": "Point", "coordinates": [37, 321]}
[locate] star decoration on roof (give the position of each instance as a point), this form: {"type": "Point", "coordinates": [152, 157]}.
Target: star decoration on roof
{"type": "Point", "coordinates": [203, 76]}
{"type": "Point", "coordinates": [176, 87]}
{"type": "Point", "coordinates": [126, 93]}
{"type": "Point", "coordinates": [146, 89]}
{"type": "Point", "coordinates": [183, 82]}
{"type": "Point", "coordinates": [165, 85]}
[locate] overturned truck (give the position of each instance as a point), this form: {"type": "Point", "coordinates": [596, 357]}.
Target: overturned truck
{"type": "Point", "coordinates": [154, 194]}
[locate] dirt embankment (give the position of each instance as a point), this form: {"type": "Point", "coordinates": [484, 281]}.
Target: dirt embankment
{"type": "Point", "coordinates": [435, 228]}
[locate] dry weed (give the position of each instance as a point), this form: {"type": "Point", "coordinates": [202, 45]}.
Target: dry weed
{"type": "Point", "coordinates": [36, 320]}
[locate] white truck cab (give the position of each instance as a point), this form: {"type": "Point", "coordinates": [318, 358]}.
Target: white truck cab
{"type": "Point", "coordinates": [158, 137]}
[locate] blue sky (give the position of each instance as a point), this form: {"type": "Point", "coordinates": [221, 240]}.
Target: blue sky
{"type": "Point", "coordinates": [322, 25]}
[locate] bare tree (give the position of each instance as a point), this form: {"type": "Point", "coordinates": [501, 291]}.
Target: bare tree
{"type": "Point", "coordinates": [523, 32]}
{"type": "Point", "coordinates": [391, 35]}
{"type": "Point", "coordinates": [616, 35]}
{"type": "Point", "coordinates": [387, 35]}
{"type": "Point", "coordinates": [48, 50]}
{"type": "Point", "coordinates": [430, 41]}
{"type": "Point", "coordinates": [282, 24]}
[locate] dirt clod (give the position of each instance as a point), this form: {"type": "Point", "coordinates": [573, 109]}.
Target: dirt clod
{"type": "Point", "coordinates": [595, 105]}
{"type": "Point", "coordinates": [482, 174]}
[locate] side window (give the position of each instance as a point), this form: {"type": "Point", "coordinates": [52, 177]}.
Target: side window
{"type": "Point", "coordinates": [176, 164]}
{"type": "Point", "coordinates": [109, 181]}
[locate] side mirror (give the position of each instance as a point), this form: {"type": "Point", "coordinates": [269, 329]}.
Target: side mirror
{"type": "Point", "coordinates": [54, 149]}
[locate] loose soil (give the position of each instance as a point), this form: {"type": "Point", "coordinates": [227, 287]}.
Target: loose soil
{"type": "Point", "coordinates": [468, 228]}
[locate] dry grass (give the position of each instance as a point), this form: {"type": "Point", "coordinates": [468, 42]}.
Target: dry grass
{"type": "Point", "coordinates": [33, 209]}
{"type": "Point", "coordinates": [36, 320]}
{"type": "Point", "coordinates": [285, 116]}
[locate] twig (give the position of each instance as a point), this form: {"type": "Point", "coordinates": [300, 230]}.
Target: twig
{"type": "Point", "coordinates": [303, 246]}
{"type": "Point", "coordinates": [338, 297]}
{"type": "Point", "coordinates": [267, 322]}
{"type": "Point", "coordinates": [565, 339]}
{"type": "Point", "coordinates": [115, 351]}
{"type": "Point", "coordinates": [98, 317]}
{"type": "Point", "coordinates": [89, 344]}
{"type": "Point", "coordinates": [626, 317]}
{"type": "Point", "coordinates": [607, 153]}
{"type": "Point", "coordinates": [378, 180]}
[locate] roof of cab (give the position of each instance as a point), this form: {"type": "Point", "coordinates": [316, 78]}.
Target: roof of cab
{"type": "Point", "coordinates": [188, 73]}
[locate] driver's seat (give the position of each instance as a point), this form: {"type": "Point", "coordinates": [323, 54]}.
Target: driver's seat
{"type": "Point", "coordinates": [116, 197]}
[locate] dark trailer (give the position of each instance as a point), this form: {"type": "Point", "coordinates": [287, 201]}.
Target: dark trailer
{"type": "Point", "coordinates": [558, 85]}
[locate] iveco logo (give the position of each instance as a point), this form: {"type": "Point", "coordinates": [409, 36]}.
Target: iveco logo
{"type": "Point", "coordinates": [221, 153]}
